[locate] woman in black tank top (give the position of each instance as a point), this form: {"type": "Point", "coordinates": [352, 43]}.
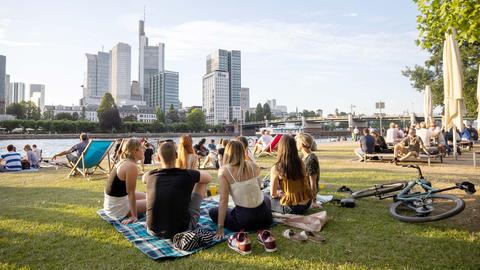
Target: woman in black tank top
{"type": "Point", "coordinates": [121, 199]}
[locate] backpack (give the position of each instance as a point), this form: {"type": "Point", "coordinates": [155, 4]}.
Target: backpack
{"type": "Point", "coordinates": [25, 164]}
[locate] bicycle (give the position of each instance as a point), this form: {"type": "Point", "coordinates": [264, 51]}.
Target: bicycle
{"type": "Point", "coordinates": [419, 206]}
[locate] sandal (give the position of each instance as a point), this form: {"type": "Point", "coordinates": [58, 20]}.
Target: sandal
{"type": "Point", "coordinates": [315, 238]}
{"type": "Point", "coordinates": [290, 234]}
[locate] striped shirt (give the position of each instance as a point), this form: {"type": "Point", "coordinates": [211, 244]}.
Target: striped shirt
{"type": "Point", "coordinates": [12, 161]}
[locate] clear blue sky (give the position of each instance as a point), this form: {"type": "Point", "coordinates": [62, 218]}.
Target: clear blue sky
{"type": "Point", "coordinates": [310, 54]}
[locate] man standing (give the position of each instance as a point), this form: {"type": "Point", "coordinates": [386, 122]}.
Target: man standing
{"type": "Point", "coordinates": [367, 145]}
{"type": "Point", "coordinates": [12, 160]}
{"type": "Point", "coordinates": [173, 195]}
{"type": "Point", "coordinates": [79, 147]}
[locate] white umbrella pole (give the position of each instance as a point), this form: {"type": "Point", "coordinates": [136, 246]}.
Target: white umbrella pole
{"type": "Point", "coordinates": [454, 133]}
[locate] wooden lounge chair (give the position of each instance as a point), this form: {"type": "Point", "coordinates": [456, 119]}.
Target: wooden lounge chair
{"type": "Point", "coordinates": [270, 148]}
{"type": "Point", "coordinates": [89, 161]}
{"type": "Point", "coordinates": [389, 157]}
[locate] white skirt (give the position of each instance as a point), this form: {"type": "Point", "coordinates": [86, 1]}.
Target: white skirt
{"type": "Point", "coordinates": [116, 207]}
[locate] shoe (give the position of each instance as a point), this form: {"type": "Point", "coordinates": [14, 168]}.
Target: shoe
{"type": "Point", "coordinates": [266, 239]}
{"type": "Point", "coordinates": [240, 243]}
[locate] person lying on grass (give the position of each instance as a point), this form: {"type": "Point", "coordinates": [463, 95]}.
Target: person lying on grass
{"type": "Point", "coordinates": [239, 178]}
{"type": "Point", "coordinates": [121, 199]}
{"type": "Point", "coordinates": [290, 190]}
{"type": "Point", "coordinates": [174, 195]}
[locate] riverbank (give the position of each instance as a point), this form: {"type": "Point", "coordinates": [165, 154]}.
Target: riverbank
{"type": "Point", "coordinates": [12, 136]}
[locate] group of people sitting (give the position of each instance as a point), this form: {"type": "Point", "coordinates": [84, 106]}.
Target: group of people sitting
{"type": "Point", "coordinates": [176, 189]}
{"type": "Point", "coordinates": [12, 161]}
{"type": "Point", "coordinates": [418, 139]}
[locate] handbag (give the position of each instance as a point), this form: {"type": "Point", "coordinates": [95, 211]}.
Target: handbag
{"type": "Point", "coordinates": [190, 240]}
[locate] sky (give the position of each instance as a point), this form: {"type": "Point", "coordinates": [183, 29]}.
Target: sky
{"type": "Point", "coordinates": [312, 55]}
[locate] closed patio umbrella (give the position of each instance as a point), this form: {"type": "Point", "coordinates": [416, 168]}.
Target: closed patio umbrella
{"type": "Point", "coordinates": [427, 105]}
{"type": "Point", "coordinates": [453, 86]}
{"type": "Point", "coordinates": [478, 98]}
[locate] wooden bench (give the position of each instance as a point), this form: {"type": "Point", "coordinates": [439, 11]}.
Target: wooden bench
{"type": "Point", "coordinates": [385, 156]}
{"type": "Point", "coordinates": [475, 158]}
{"type": "Point", "coordinates": [465, 145]}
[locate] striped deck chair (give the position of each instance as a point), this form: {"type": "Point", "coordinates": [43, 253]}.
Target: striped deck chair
{"type": "Point", "coordinates": [270, 148]}
{"type": "Point", "coordinates": [92, 156]}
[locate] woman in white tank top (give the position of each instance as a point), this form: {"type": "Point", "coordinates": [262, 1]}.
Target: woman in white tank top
{"type": "Point", "coordinates": [239, 178]}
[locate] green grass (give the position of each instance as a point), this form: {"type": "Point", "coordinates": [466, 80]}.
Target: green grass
{"type": "Point", "coordinates": [50, 222]}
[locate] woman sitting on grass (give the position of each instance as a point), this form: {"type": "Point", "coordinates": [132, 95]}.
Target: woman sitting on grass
{"type": "Point", "coordinates": [221, 151]}
{"type": "Point", "coordinates": [31, 157]}
{"type": "Point", "coordinates": [248, 154]}
{"type": "Point", "coordinates": [186, 155]}
{"type": "Point", "coordinates": [239, 178]}
{"type": "Point", "coordinates": [290, 189]}
{"type": "Point", "coordinates": [312, 166]}
{"type": "Point", "coordinates": [121, 200]}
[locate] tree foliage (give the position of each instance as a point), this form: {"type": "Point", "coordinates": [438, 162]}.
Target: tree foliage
{"type": "Point", "coordinates": [24, 110]}
{"type": "Point", "coordinates": [172, 115]}
{"type": "Point", "coordinates": [108, 115]}
{"type": "Point", "coordinates": [259, 113]}
{"type": "Point", "coordinates": [267, 111]}
{"type": "Point", "coordinates": [160, 115]}
{"type": "Point", "coordinates": [196, 120]}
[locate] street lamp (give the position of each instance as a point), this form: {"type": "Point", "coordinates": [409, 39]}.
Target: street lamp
{"type": "Point", "coordinates": [379, 106]}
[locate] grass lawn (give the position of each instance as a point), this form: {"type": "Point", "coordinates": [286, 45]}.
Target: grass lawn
{"type": "Point", "coordinates": [50, 222]}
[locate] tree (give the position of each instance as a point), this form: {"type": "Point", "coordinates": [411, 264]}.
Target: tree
{"type": "Point", "coordinates": [75, 116]}
{"type": "Point", "coordinates": [31, 110]}
{"type": "Point", "coordinates": [83, 114]}
{"type": "Point", "coordinates": [130, 118]}
{"type": "Point", "coordinates": [160, 115]}
{"type": "Point", "coordinates": [18, 110]}
{"type": "Point", "coordinates": [48, 115]}
{"type": "Point", "coordinates": [108, 115]}
{"type": "Point", "coordinates": [196, 120]}
{"type": "Point", "coordinates": [247, 116]}
{"type": "Point", "coordinates": [267, 111]}
{"type": "Point", "coordinates": [63, 116]}
{"type": "Point", "coordinates": [259, 113]}
{"type": "Point", "coordinates": [172, 115]}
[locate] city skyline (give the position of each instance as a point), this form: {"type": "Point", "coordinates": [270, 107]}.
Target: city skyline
{"type": "Point", "coordinates": [317, 49]}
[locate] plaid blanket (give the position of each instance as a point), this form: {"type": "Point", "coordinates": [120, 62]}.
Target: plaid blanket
{"type": "Point", "coordinates": [157, 248]}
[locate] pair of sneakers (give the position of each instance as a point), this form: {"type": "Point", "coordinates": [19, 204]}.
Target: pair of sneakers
{"type": "Point", "coordinates": [241, 243]}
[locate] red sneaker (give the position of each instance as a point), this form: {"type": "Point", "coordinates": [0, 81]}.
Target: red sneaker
{"type": "Point", "coordinates": [267, 240]}
{"type": "Point", "coordinates": [240, 243]}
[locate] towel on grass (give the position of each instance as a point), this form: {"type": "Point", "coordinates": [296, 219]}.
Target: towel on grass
{"type": "Point", "coordinates": [157, 248]}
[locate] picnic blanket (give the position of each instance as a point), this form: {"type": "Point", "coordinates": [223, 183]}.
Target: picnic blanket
{"type": "Point", "coordinates": [157, 248]}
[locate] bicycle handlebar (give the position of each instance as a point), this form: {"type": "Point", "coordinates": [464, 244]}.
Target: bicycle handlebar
{"type": "Point", "coordinates": [420, 175]}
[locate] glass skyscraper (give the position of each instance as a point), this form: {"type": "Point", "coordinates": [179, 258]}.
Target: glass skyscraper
{"type": "Point", "coordinates": [164, 90]}
{"type": "Point", "coordinates": [3, 83]}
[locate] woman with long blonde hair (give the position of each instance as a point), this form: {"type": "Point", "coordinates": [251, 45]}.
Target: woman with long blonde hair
{"type": "Point", "coordinates": [187, 159]}
{"type": "Point", "coordinates": [239, 178]}
{"type": "Point", "coordinates": [290, 189]}
{"type": "Point", "coordinates": [120, 198]}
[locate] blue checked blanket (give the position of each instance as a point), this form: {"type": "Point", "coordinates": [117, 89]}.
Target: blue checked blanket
{"type": "Point", "coordinates": [157, 248]}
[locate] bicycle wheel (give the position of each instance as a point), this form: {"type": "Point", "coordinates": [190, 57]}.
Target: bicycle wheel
{"type": "Point", "coordinates": [379, 190]}
{"type": "Point", "coordinates": [435, 207]}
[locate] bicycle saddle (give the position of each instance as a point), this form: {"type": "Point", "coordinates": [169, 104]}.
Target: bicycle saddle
{"type": "Point", "coordinates": [468, 187]}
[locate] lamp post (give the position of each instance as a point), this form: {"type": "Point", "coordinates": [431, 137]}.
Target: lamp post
{"type": "Point", "coordinates": [379, 106]}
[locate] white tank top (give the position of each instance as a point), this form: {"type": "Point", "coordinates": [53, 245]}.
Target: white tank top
{"type": "Point", "coordinates": [245, 193]}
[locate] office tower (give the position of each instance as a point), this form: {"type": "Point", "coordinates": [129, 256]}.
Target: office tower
{"type": "Point", "coordinates": [216, 97]}
{"type": "Point", "coordinates": [151, 61]}
{"type": "Point", "coordinates": [97, 80]}
{"type": "Point", "coordinates": [164, 90]}
{"type": "Point", "coordinates": [120, 73]}
{"type": "Point", "coordinates": [230, 62]}
{"type": "Point", "coordinates": [135, 91]}
{"type": "Point", "coordinates": [8, 91]}
{"type": "Point", "coordinates": [244, 101]}
{"type": "Point", "coordinates": [37, 95]}
{"type": "Point", "coordinates": [18, 92]}
{"type": "Point", "coordinates": [3, 83]}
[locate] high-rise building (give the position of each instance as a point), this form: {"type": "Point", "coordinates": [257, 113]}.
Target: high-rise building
{"type": "Point", "coordinates": [135, 91]}
{"type": "Point", "coordinates": [18, 92]}
{"type": "Point", "coordinates": [230, 62]}
{"type": "Point", "coordinates": [151, 61]}
{"type": "Point", "coordinates": [216, 97]}
{"type": "Point", "coordinates": [97, 79]}
{"type": "Point", "coordinates": [164, 90]}
{"type": "Point", "coordinates": [3, 83]}
{"type": "Point", "coordinates": [37, 95]}
{"type": "Point", "coordinates": [244, 101]}
{"type": "Point", "coordinates": [121, 73]}
{"type": "Point", "coordinates": [8, 90]}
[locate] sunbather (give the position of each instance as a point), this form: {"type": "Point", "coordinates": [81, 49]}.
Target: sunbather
{"type": "Point", "coordinates": [120, 198]}
{"type": "Point", "coordinates": [290, 190]}
{"type": "Point", "coordinates": [12, 160]}
{"type": "Point", "coordinates": [239, 178]}
{"type": "Point", "coordinates": [78, 148]}
{"type": "Point", "coordinates": [312, 166]}
{"type": "Point", "coordinates": [410, 146]}
{"type": "Point", "coordinates": [174, 195]}
{"type": "Point", "coordinates": [263, 141]}
{"type": "Point", "coordinates": [31, 157]}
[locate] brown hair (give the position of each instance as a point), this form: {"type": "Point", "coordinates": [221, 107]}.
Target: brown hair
{"type": "Point", "coordinates": [235, 156]}
{"type": "Point", "coordinates": [167, 152]}
{"type": "Point", "coordinates": [27, 147]}
{"type": "Point", "coordinates": [185, 148]}
{"type": "Point", "coordinates": [243, 140]}
{"type": "Point", "coordinates": [289, 165]}
{"type": "Point", "coordinates": [129, 147]}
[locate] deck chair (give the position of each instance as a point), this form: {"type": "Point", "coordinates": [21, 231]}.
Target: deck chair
{"type": "Point", "coordinates": [89, 161]}
{"type": "Point", "coordinates": [116, 155]}
{"type": "Point", "coordinates": [270, 148]}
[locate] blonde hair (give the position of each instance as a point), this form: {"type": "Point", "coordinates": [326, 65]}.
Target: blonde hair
{"type": "Point", "coordinates": [235, 156]}
{"type": "Point", "coordinates": [129, 147]}
{"type": "Point", "coordinates": [392, 125]}
{"type": "Point", "coordinates": [185, 148]}
{"type": "Point", "coordinates": [306, 140]}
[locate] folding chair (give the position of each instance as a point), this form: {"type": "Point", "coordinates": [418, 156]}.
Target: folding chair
{"type": "Point", "coordinates": [270, 148]}
{"type": "Point", "coordinates": [92, 156]}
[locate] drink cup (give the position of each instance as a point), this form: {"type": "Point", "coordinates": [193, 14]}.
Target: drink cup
{"type": "Point", "coordinates": [213, 190]}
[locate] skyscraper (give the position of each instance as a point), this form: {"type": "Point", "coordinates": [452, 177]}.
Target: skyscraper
{"type": "Point", "coordinates": [164, 90]}
{"type": "Point", "coordinates": [230, 62]}
{"type": "Point", "coordinates": [97, 80]}
{"type": "Point", "coordinates": [37, 95]}
{"type": "Point", "coordinates": [151, 61]}
{"type": "Point", "coordinates": [244, 101]}
{"type": "Point", "coordinates": [8, 91]}
{"type": "Point", "coordinates": [3, 83]}
{"type": "Point", "coordinates": [216, 97]}
{"type": "Point", "coordinates": [120, 73]}
{"type": "Point", "coordinates": [18, 92]}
